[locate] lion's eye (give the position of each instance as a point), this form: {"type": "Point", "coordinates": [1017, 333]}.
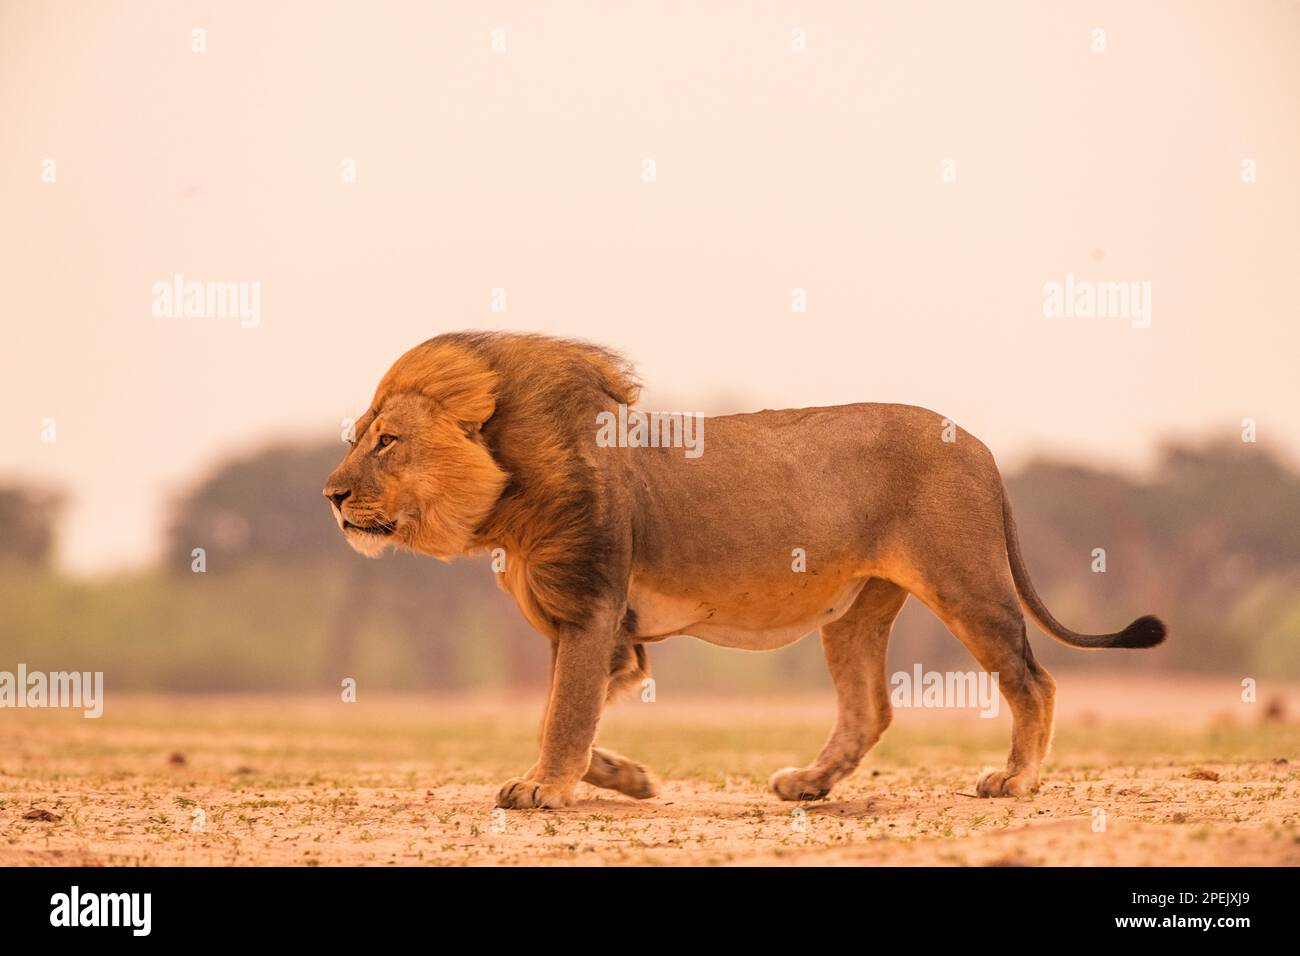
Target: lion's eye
{"type": "Point", "coordinates": [386, 440]}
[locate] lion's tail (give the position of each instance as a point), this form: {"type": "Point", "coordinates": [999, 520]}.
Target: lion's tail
{"type": "Point", "coordinates": [1146, 631]}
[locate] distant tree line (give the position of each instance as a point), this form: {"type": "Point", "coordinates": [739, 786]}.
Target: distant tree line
{"type": "Point", "coordinates": [1210, 541]}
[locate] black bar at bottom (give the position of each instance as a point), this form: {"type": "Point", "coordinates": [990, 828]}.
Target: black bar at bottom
{"type": "Point", "coordinates": [329, 906]}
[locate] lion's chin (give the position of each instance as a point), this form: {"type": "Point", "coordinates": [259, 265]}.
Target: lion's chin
{"type": "Point", "coordinates": [367, 543]}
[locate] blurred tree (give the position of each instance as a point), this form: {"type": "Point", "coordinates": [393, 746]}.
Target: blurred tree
{"type": "Point", "coordinates": [263, 506]}
{"type": "Point", "coordinates": [28, 516]}
{"type": "Point", "coordinates": [1211, 524]}
{"type": "Point", "coordinates": [266, 510]}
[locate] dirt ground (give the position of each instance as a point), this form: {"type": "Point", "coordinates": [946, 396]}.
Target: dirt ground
{"type": "Point", "coordinates": [1158, 771]}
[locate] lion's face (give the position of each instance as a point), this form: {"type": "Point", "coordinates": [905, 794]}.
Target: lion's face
{"type": "Point", "coordinates": [416, 476]}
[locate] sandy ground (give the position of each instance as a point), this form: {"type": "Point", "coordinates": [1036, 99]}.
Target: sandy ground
{"type": "Point", "coordinates": [1143, 772]}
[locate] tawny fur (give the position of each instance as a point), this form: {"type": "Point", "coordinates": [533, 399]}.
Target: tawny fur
{"type": "Point", "coordinates": [792, 521]}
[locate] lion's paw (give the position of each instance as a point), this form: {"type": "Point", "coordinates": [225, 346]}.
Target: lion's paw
{"type": "Point", "coordinates": [1005, 783]}
{"type": "Point", "coordinates": [793, 783]}
{"type": "Point", "coordinates": [638, 783]}
{"type": "Point", "coordinates": [615, 772]}
{"type": "Point", "coordinates": [520, 793]}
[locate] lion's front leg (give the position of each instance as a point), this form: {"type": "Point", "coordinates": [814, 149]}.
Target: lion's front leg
{"type": "Point", "coordinates": [579, 680]}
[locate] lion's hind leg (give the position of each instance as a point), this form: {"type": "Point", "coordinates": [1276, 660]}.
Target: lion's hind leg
{"type": "Point", "coordinates": [992, 627]}
{"type": "Point", "coordinates": [855, 647]}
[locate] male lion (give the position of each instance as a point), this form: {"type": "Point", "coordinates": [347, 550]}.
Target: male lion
{"type": "Point", "coordinates": [478, 441]}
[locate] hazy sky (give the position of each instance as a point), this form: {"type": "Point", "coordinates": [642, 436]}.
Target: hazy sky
{"type": "Point", "coordinates": [822, 170]}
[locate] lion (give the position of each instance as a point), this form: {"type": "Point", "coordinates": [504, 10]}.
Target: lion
{"type": "Point", "coordinates": [478, 441]}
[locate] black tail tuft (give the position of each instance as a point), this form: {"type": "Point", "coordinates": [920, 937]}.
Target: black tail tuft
{"type": "Point", "coordinates": [1146, 631]}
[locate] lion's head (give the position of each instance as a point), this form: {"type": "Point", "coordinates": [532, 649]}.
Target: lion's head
{"type": "Point", "coordinates": [478, 440]}
{"type": "Point", "coordinates": [419, 474]}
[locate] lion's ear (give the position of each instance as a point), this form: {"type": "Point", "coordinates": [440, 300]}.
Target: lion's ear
{"type": "Point", "coordinates": [473, 417]}
{"type": "Point", "coordinates": [468, 395]}
{"type": "Point", "coordinates": [458, 382]}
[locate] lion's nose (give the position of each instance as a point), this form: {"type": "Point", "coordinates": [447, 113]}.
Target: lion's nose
{"type": "Point", "coordinates": [338, 497]}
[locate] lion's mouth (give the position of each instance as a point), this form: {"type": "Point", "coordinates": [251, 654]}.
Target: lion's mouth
{"type": "Point", "coordinates": [380, 528]}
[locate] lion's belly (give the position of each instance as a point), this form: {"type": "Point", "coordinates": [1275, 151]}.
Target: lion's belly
{"type": "Point", "coordinates": [757, 623]}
